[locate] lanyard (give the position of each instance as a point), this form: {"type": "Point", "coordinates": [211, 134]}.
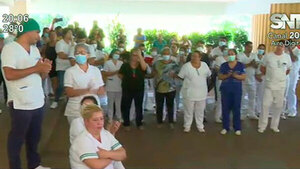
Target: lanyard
{"type": "Point", "coordinates": [134, 73]}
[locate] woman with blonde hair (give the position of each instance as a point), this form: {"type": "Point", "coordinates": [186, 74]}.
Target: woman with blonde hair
{"type": "Point", "coordinates": [95, 147]}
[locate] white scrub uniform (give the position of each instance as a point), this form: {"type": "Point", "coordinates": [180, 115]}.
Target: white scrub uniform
{"type": "Point", "coordinates": [114, 89]}
{"type": "Point", "coordinates": [194, 92]}
{"type": "Point", "coordinates": [216, 51]}
{"type": "Point", "coordinates": [76, 78]}
{"type": "Point", "coordinates": [85, 146]}
{"type": "Point", "coordinates": [259, 89]}
{"type": "Point", "coordinates": [26, 93]}
{"type": "Point", "coordinates": [219, 61]}
{"type": "Point", "coordinates": [62, 46]}
{"type": "Point", "coordinates": [293, 79]}
{"type": "Point", "coordinates": [77, 127]}
{"type": "Point", "coordinates": [249, 85]}
{"type": "Point", "coordinates": [275, 84]}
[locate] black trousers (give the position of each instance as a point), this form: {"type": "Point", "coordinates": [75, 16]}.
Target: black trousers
{"type": "Point", "coordinates": [160, 98]}
{"type": "Point", "coordinates": [127, 97]}
{"type": "Point", "coordinates": [212, 82]}
{"type": "Point", "coordinates": [4, 86]}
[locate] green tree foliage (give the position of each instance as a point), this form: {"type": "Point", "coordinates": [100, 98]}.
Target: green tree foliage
{"type": "Point", "coordinates": [195, 37]}
{"type": "Point", "coordinates": [151, 36]}
{"type": "Point", "coordinates": [114, 30]}
{"type": "Point", "coordinates": [233, 34]}
{"type": "Point", "coordinates": [212, 37]}
{"type": "Point", "coordinates": [96, 30]}
{"type": "Point", "coordinates": [240, 37]}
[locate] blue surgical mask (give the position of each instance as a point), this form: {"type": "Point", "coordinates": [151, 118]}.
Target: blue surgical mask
{"type": "Point", "coordinates": [222, 43]}
{"type": "Point", "coordinates": [166, 57]}
{"type": "Point", "coordinates": [46, 35]}
{"type": "Point", "coordinates": [225, 52]}
{"type": "Point", "coordinates": [260, 51]}
{"type": "Point", "coordinates": [81, 59]}
{"type": "Point", "coordinates": [116, 56]}
{"type": "Point", "coordinates": [231, 58]}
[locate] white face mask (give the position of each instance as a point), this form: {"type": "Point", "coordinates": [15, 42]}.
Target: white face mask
{"type": "Point", "coordinates": [260, 51]}
{"type": "Point", "coordinates": [154, 53]}
{"type": "Point", "coordinates": [116, 56]}
{"type": "Point", "coordinates": [295, 50]}
{"type": "Point", "coordinates": [166, 57]}
{"type": "Point", "coordinates": [222, 43]}
{"type": "Point", "coordinates": [225, 52]}
{"type": "Point", "coordinates": [121, 49]}
{"type": "Point", "coordinates": [201, 49]}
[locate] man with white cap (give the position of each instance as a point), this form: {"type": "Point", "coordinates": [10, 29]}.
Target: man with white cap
{"type": "Point", "coordinates": [23, 70]}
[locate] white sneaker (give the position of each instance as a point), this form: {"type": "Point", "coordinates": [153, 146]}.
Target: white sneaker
{"type": "Point", "coordinates": [238, 132]}
{"type": "Point", "coordinates": [291, 115]}
{"type": "Point", "coordinates": [41, 167]}
{"type": "Point", "coordinates": [261, 130]}
{"type": "Point", "coordinates": [275, 130]}
{"type": "Point", "coordinates": [201, 130]}
{"type": "Point", "coordinates": [54, 105]}
{"type": "Point", "coordinates": [223, 132]}
{"type": "Point", "coordinates": [218, 121]}
{"type": "Point", "coordinates": [186, 130]}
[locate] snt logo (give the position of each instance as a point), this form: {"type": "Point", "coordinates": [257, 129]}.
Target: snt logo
{"type": "Point", "coordinates": [279, 21]}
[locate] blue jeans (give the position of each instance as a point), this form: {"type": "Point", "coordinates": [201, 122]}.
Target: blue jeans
{"type": "Point", "coordinates": [25, 127]}
{"type": "Point", "coordinates": [60, 87]}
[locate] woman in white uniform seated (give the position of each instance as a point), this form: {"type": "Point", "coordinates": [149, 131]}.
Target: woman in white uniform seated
{"type": "Point", "coordinates": [77, 125]}
{"type": "Point", "coordinates": [95, 147]}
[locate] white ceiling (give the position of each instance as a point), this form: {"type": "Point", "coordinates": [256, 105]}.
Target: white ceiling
{"type": "Point", "coordinates": [153, 7]}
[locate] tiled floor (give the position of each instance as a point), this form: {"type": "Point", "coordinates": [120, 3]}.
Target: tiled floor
{"type": "Point", "coordinates": [163, 148]}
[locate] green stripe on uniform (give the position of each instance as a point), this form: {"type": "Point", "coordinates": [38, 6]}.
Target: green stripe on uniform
{"type": "Point", "coordinates": [84, 156]}
{"type": "Point", "coordinates": [116, 145]}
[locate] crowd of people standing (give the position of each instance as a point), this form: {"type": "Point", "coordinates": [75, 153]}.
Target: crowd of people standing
{"type": "Point", "coordinates": [247, 83]}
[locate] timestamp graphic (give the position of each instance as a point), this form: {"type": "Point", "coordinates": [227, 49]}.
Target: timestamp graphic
{"type": "Point", "coordinates": [12, 23]}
